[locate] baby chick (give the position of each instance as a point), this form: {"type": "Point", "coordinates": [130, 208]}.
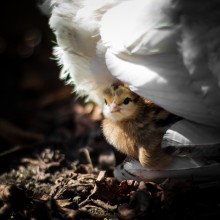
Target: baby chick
{"type": "Point", "coordinates": [135, 126]}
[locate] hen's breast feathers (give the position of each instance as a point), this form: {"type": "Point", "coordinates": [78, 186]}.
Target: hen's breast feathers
{"type": "Point", "coordinates": [76, 25]}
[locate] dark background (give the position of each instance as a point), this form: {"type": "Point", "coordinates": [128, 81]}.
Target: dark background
{"type": "Point", "coordinates": [25, 52]}
{"type": "Point", "coordinates": [35, 103]}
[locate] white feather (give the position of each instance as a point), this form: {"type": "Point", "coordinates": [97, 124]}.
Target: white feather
{"type": "Point", "coordinates": [76, 25]}
{"type": "Point", "coordinates": [139, 27]}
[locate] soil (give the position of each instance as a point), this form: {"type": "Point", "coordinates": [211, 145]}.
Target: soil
{"type": "Point", "coordinates": [54, 161]}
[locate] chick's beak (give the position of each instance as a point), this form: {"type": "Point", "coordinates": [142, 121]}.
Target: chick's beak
{"type": "Point", "coordinates": [114, 108]}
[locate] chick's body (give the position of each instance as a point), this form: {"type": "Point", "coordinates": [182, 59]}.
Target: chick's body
{"type": "Point", "coordinates": [135, 126]}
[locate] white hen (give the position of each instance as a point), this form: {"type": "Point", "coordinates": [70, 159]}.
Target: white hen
{"type": "Point", "coordinates": [167, 51]}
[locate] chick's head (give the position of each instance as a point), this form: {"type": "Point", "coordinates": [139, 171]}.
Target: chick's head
{"type": "Point", "coordinates": [120, 103]}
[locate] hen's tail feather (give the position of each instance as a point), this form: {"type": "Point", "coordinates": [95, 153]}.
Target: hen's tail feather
{"type": "Point", "coordinates": [180, 168]}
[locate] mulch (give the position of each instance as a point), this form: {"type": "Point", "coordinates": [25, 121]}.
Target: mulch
{"type": "Point", "coordinates": [54, 161]}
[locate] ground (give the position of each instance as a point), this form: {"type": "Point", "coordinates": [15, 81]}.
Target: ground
{"type": "Point", "coordinates": [54, 161]}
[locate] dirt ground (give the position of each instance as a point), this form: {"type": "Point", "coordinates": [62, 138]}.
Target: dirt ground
{"type": "Point", "coordinates": [54, 161]}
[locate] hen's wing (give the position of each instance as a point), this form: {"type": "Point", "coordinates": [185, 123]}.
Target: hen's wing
{"type": "Point", "coordinates": [168, 51]}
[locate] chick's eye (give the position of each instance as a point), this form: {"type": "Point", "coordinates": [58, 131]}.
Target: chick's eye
{"type": "Point", "coordinates": [105, 101]}
{"type": "Point", "coordinates": [127, 100]}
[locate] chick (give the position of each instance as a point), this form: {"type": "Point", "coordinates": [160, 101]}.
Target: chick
{"type": "Point", "coordinates": [135, 126]}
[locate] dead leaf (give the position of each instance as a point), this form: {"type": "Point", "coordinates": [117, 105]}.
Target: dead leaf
{"type": "Point", "coordinates": [63, 203]}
